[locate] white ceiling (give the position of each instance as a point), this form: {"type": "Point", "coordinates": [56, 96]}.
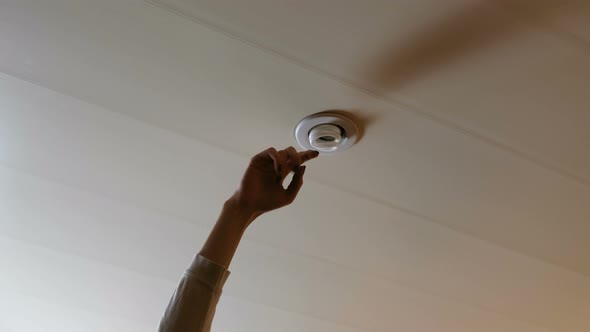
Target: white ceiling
{"type": "Point", "coordinates": [466, 206]}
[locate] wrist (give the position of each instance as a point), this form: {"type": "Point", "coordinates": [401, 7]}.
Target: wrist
{"type": "Point", "coordinates": [239, 212]}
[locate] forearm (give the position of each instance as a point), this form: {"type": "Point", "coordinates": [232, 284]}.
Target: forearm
{"type": "Point", "coordinates": [225, 237]}
{"type": "Point", "coordinates": [192, 306]}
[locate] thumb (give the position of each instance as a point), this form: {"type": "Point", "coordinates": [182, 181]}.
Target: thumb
{"type": "Point", "coordinates": [295, 184]}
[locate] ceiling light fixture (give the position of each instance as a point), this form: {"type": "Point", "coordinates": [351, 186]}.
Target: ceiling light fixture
{"type": "Point", "coordinates": [327, 132]}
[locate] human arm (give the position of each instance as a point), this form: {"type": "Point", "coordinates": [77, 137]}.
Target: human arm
{"type": "Point", "coordinates": [193, 304]}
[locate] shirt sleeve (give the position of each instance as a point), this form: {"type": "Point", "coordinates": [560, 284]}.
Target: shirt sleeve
{"type": "Point", "coordinates": [192, 306]}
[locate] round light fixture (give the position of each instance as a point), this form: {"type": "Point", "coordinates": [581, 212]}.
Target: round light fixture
{"type": "Point", "coordinates": [326, 132]}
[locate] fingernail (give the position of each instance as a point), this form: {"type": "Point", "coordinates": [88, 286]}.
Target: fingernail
{"type": "Point", "coordinates": [317, 153]}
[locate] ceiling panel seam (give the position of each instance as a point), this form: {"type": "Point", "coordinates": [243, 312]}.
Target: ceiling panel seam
{"type": "Point", "coordinates": [289, 251]}
{"type": "Point", "coordinates": [461, 304]}
{"type": "Point", "coordinates": [49, 301]}
{"type": "Point", "coordinates": [171, 282]}
{"type": "Point", "coordinates": [395, 103]}
{"type": "Point", "coordinates": [328, 185]}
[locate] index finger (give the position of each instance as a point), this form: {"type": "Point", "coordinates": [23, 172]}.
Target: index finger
{"type": "Point", "coordinates": [308, 155]}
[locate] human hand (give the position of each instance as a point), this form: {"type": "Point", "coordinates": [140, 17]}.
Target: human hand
{"type": "Point", "coordinates": [262, 190]}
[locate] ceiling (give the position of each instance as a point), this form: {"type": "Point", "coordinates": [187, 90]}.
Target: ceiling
{"type": "Point", "coordinates": [465, 207]}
